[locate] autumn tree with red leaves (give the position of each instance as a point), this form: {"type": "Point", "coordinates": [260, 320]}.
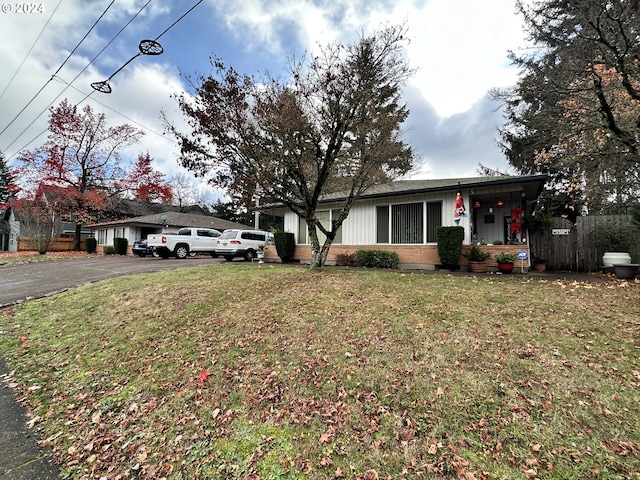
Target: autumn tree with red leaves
{"type": "Point", "coordinates": [79, 167]}
{"type": "Point", "coordinates": [146, 184]}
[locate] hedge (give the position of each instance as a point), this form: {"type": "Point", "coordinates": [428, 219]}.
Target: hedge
{"type": "Point", "coordinates": [450, 245]}
{"type": "Point", "coordinates": [285, 245]}
{"type": "Point", "coordinates": [377, 258]}
{"type": "Point", "coordinates": [90, 244]}
{"type": "Point", "coordinates": [120, 245]}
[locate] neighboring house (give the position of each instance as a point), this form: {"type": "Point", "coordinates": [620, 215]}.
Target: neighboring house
{"type": "Point", "coordinates": [9, 231]}
{"type": "Point", "coordinates": [137, 228]}
{"type": "Point", "coordinates": [403, 216]}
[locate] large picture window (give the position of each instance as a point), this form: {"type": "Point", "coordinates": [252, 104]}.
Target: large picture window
{"type": "Point", "coordinates": [404, 223]}
{"type": "Point", "coordinates": [102, 237]}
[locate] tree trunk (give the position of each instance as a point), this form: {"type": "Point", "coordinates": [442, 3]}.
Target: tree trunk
{"type": "Point", "coordinates": [77, 237]}
{"type": "Point", "coordinates": [318, 254]}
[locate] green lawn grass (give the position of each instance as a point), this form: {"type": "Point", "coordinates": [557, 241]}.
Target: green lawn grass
{"type": "Point", "coordinates": [338, 374]}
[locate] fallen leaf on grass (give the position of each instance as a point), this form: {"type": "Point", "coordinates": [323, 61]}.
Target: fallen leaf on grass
{"type": "Point", "coordinates": [204, 376]}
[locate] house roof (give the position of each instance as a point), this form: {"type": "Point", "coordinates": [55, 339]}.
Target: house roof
{"type": "Point", "coordinates": [407, 187]}
{"type": "Point", "coordinates": [175, 219]}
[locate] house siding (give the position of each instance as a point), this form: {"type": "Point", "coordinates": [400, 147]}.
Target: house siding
{"type": "Point", "coordinates": [360, 226]}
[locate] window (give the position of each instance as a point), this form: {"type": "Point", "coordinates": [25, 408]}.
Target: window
{"type": "Point", "coordinates": [102, 237]}
{"type": "Point", "coordinates": [382, 224]}
{"type": "Point", "coordinates": [434, 220]}
{"type": "Point", "coordinates": [302, 231]}
{"type": "Point", "coordinates": [324, 217]}
{"type": "Point", "coordinates": [259, 237]}
{"type": "Point", "coordinates": [407, 223]}
{"type": "Point", "coordinates": [404, 223]}
{"type": "Point", "coordinates": [118, 232]}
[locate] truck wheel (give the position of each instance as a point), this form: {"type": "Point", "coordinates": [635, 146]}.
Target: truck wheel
{"type": "Point", "coordinates": [155, 253]}
{"type": "Point", "coordinates": [250, 255]}
{"type": "Point", "coordinates": [182, 251]}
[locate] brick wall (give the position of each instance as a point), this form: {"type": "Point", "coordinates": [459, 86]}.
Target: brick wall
{"type": "Point", "coordinates": [422, 256]}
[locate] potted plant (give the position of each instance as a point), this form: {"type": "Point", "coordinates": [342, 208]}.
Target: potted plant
{"type": "Point", "coordinates": [506, 261]}
{"type": "Point", "coordinates": [477, 259]}
{"type": "Point", "coordinates": [614, 240]}
{"type": "Point", "coordinates": [539, 264]}
{"type": "Point", "coordinates": [260, 253]}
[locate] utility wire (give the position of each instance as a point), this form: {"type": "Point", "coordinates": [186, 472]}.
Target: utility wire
{"type": "Point", "coordinates": [146, 47]}
{"type": "Point", "coordinates": [30, 50]}
{"type": "Point", "coordinates": [88, 95]}
{"type": "Point", "coordinates": [179, 19]}
{"type": "Point", "coordinates": [59, 68]}
{"type": "Point", "coordinates": [74, 79]}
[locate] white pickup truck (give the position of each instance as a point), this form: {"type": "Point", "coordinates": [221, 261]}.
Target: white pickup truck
{"type": "Point", "coordinates": [188, 241]}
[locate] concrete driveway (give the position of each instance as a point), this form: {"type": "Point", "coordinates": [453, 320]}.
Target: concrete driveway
{"type": "Point", "coordinates": [20, 282]}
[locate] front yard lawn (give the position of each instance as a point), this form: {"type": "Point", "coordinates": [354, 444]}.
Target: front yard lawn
{"type": "Point", "coordinates": [271, 372]}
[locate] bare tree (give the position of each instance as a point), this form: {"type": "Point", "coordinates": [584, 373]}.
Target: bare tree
{"type": "Point", "coordinates": [37, 225]}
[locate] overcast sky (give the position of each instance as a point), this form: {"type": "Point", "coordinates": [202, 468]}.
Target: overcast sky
{"type": "Point", "coordinates": [459, 48]}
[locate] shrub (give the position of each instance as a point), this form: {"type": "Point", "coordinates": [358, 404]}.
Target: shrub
{"type": "Point", "coordinates": [377, 259]}
{"type": "Point", "coordinates": [109, 250]}
{"type": "Point", "coordinates": [285, 245]}
{"type": "Point", "coordinates": [90, 245]}
{"type": "Point", "coordinates": [613, 237]}
{"type": "Point", "coordinates": [346, 260]}
{"type": "Point", "coordinates": [506, 258]}
{"type": "Point", "coordinates": [635, 216]}
{"type": "Point", "coordinates": [450, 245]}
{"type": "Point", "coordinates": [476, 255]}
{"type": "Point", "coordinates": [120, 245]}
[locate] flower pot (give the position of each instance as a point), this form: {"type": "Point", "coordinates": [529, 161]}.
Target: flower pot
{"type": "Point", "coordinates": [505, 267]}
{"type": "Point", "coordinates": [478, 267]}
{"type": "Point", "coordinates": [540, 266]}
{"type": "Point", "coordinates": [626, 271]}
{"type": "Point", "coordinates": [609, 259]}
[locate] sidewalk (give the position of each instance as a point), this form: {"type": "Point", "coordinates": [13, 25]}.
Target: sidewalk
{"type": "Point", "coordinates": [21, 458]}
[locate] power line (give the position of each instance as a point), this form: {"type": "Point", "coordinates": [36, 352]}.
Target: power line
{"type": "Point", "coordinates": [59, 68]}
{"type": "Point", "coordinates": [74, 79]}
{"type": "Point", "coordinates": [122, 115]}
{"type": "Point", "coordinates": [86, 96]}
{"type": "Point", "coordinates": [30, 50]}
{"type": "Point", "coordinates": [151, 44]}
{"type": "Point", "coordinates": [146, 47]}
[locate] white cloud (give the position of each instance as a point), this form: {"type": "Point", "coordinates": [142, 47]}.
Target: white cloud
{"type": "Point", "coordinates": [458, 46]}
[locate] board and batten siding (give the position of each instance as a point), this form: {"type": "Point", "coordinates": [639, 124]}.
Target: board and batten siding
{"type": "Point", "coordinates": [360, 226]}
